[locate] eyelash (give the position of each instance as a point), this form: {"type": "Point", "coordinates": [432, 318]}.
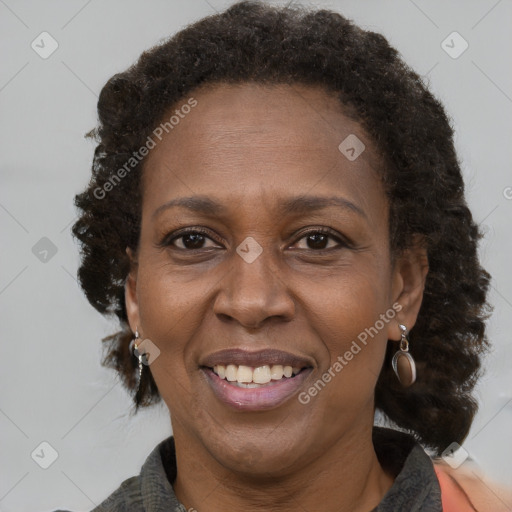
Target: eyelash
{"type": "Point", "coordinates": [170, 238]}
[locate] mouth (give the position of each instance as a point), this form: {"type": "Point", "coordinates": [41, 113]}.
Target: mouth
{"type": "Point", "coordinates": [253, 381]}
{"type": "Point", "coordinates": [248, 377]}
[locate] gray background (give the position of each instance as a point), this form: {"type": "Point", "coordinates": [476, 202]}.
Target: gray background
{"type": "Point", "coordinates": [53, 387]}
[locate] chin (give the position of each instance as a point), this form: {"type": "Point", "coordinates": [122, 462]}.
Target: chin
{"type": "Point", "coordinates": [258, 457]}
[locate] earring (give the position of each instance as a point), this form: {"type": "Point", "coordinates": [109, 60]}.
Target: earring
{"type": "Point", "coordinates": [137, 354]}
{"type": "Point", "coordinates": [403, 363]}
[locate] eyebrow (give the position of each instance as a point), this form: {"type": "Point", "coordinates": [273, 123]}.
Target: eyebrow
{"type": "Point", "coordinates": [297, 205]}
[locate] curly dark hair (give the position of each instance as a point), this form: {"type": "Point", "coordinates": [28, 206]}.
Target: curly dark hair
{"type": "Point", "coordinates": [255, 42]}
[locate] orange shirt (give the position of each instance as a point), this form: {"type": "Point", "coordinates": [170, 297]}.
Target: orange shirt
{"type": "Point", "coordinates": [453, 497]}
{"type": "Point", "coordinates": [465, 492]}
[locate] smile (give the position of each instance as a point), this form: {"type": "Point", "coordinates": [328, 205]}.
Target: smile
{"type": "Point", "coordinates": [248, 377]}
{"type": "Point", "coordinates": [255, 381]}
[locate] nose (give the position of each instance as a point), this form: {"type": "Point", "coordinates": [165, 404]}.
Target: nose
{"type": "Point", "coordinates": [254, 294]}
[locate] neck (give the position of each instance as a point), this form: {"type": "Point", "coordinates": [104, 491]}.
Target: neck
{"type": "Point", "coordinates": [347, 477]}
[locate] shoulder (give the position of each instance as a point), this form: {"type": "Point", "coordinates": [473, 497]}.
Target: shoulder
{"type": "Point", "coordinates": [467, 487]}
{"type": "Point", "coordinates": [126, 498]}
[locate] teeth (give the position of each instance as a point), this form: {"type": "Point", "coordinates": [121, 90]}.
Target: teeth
{"type": "Point", "coordinates": [244, 374]}
{"type": "Point", "coordinates": [276, 372]}
{"type": "Point", "coordinates": [261, 375]}
{"type": "Point", "coordinates": [246, 385]}
{"type": "Point", "coordinates": [231, 371]}
{"type": "Point", "coordinates": [248, 377]}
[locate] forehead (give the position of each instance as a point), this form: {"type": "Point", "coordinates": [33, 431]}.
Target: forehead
{"type": "Point", "coordinates": [274, 139]}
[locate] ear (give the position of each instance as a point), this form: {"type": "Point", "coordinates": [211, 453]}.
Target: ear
{"type": "Point", "coordinates": [408, 284]}
{"type": "Point", "coordinates": [130, 292]}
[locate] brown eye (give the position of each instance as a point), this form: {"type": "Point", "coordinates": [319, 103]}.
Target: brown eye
{"type": "Point", "coordinates": [317, 241]}
{"type": "Point", "coordinates": [320, 240]}
{"type": "Point", "coordinates": [192, 239]}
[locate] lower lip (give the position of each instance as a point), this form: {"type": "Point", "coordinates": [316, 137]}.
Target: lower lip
{"type": "Point", "coordinates": [256, 399]}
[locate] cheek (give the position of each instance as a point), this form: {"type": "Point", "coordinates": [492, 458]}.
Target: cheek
{"type": "Point", "coordinates": [170, 313]}
{"type": "Point", "coordinates": [352, 317]}
{"type": "Point", "coordinates": [347, 302]}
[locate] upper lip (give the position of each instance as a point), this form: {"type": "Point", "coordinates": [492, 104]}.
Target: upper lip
{"type": "Point", "coordinates": [255, 358]}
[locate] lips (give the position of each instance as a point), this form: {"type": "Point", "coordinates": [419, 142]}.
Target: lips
{"type": "Point", "coordinates": [242, 393]}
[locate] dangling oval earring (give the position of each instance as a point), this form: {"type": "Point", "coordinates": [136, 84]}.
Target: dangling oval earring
{"type": "Point", "coordinates": [134, 348]}
{"type": "Point", "coordinates": [403, 363]}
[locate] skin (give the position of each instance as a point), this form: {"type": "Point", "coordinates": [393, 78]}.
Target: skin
{"type": "Point", "coordinates": [250, 147]}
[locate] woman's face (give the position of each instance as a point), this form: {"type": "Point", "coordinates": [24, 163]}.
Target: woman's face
{"type": "Point", "coordinates": [291, 268]}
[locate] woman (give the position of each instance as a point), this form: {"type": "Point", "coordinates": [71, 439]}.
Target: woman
{"type": "Point", "coordinates": [276, 215]}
